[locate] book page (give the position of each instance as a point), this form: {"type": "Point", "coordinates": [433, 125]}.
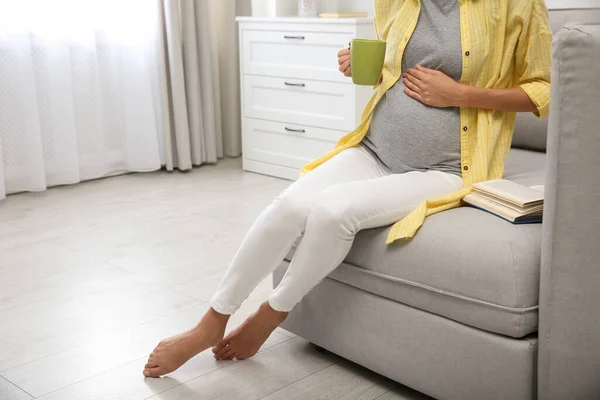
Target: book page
{"type": "Point", "coordinates": [493, 207]}
{"type": "Point", "coordinates": [496, 199]}
{"type": "Point", "coordinates": [539, 188]}
{"type": "Point", "coordinates": [511, 191]}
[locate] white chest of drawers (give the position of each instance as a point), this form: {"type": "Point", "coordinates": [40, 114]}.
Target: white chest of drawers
{"type": "Point", "coordinates": [295, 102]}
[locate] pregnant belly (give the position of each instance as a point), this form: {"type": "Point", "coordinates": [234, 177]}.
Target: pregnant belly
{"type": "Point", "coordinates": [408, 133]}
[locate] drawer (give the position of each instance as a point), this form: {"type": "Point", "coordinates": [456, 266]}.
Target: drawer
{"type": "Point", "coordinates": [305, 102]}
{"type": "Point", "coordinates": [310, 55]}
{"type": "Point", "coordinates": [288, 145]}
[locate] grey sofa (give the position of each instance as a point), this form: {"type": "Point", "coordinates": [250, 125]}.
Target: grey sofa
{"type": "Point", "coordinates": [513, 316]}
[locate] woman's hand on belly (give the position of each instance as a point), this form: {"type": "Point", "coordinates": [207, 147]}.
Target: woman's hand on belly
{"type": "Point", "coordinates": [437, 89]}
{"type": "Point", "coordinates": [432, 87]}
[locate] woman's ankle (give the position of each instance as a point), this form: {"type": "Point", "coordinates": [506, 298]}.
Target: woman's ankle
{"type": "Point", "coordinates": [271, 313]}
{"type": "Point", "coordinates": [212, 320]}
{"type": "Point", "coordinates": [213, 314]}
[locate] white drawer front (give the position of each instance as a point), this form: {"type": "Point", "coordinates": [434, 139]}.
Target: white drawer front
{"type": "Point", "coordinates": [300, 101]}
{"type": "Point", "coordinates": [311, 55]}
{"type": "Point", "coordinates": [284, 144]}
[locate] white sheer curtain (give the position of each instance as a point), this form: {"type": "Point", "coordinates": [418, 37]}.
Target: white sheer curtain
{"type": "Point", "coordinates": [200, 90]}
{"type": "Point", "coordinates": [78, 90]}
{"type": "Point", "coordinates": [90, 88]}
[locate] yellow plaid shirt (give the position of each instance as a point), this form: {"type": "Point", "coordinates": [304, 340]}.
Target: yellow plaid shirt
{"type": "Point", "coordinates": [506, 43]}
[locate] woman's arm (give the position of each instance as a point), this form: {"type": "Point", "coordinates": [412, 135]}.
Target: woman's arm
{"type": "Point", "coordinates": [437, 89]}
{"type": "Point", "coordinates": [512, 99]}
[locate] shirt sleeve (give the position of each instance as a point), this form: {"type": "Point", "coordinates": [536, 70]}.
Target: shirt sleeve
{"type": "Point", "coordinates": [534, 59]}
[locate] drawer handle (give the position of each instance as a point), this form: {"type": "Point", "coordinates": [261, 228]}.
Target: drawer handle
{"type": "Point", "coordinates": [294, 37]}
{"type": "Point", "coordinates": [295, 130]}
{"type": "Point", "coordinates": [295, 84]}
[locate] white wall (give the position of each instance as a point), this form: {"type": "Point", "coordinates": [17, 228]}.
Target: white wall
{"type": "Point", "coordinates": [555, 4]}
{"type": "Point", "coordinates": [367, 5]}
{"type": "Point", "coordinates": [347, 5]}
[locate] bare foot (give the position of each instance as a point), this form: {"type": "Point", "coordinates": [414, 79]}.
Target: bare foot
{"type": "Point", "coordinates": [173, 352]}
{"type": "Point", "coordinates": [246, 339]}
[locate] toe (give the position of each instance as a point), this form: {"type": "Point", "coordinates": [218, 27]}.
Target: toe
{"type": "Point", "coordinates": [219, 354]}
{"type": "Point", "coordinates": [150, 365]}
{"type": "Point", "coordinates": [152, 372]}
{"type": "Point", "coordinates": [228, 355]}
{"type": "Point", "coordinates": [219, 346]}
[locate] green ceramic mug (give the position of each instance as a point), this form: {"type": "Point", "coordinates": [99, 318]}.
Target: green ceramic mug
{"type": "Point", "coordinates": [366, 60]}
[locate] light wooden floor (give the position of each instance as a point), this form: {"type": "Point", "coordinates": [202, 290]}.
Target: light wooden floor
{"type": "Point", "coordinates": [92, 276]}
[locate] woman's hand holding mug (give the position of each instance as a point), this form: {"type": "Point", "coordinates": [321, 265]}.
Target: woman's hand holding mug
{"type": "Point", "coordinates": [363, 61]}
{"type": "Point", "coordinates": [344, 62]}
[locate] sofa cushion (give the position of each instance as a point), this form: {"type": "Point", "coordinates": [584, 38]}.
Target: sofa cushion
{"type": "Point", "coordinates": [464, 264]}
{"type": "Point", "coordinates": [530, 133]}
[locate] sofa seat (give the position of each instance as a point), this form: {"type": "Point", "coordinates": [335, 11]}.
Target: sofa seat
{"type": "Point", "coordinates": [464, 264]}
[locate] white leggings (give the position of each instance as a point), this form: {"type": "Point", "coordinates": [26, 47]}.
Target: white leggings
{"type": "Point", "coordinates": [350, 192]}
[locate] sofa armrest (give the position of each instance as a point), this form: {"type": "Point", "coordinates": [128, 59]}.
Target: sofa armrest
{"type": "Point", "coordinates": [569, 329]}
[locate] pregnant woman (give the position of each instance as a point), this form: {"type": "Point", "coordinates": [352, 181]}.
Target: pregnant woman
{"type": "Point", "coordinates": [441, 119]}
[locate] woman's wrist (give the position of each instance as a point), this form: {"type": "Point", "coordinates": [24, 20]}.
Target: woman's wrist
{"type": "Point", "coordinates": [463, 96]}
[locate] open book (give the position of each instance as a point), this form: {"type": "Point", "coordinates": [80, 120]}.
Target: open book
{"type": "Point", "coordinates": [508, 200]}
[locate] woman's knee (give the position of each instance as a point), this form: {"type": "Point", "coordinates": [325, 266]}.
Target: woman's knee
{"type": "Point", "coordinates": [333, 210]}
{"type": "Point", "coordinates": [288, 210]}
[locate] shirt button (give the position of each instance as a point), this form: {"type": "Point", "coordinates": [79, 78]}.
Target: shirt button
{"type": "Point", "coordinates": [468, 53]}
{"type": "Point", "coordinates": [466, 168]}
{"type": "Point", "coordinates": [465, 128]}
